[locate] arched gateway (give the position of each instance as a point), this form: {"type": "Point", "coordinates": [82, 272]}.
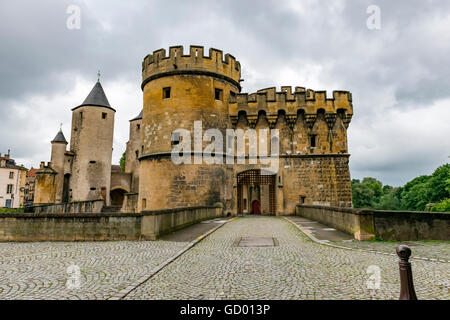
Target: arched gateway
{"type": "Point", "coordinates": [256, 192]}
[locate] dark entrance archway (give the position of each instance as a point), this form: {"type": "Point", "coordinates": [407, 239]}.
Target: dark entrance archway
{"type": "Point", "coordinates": [116, 196]}
{"type": "Point", "coordinates": [255, 207]}
{"type": "Point", "coordinates": [248, 180]}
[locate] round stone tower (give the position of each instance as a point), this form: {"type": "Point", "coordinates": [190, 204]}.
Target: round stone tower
{"type": "Point", "coordinates": [179, 89]}
{"type": "Point", "coordinates": [91, 142]}
{"type": "Point", "coordinates": [59, 144]}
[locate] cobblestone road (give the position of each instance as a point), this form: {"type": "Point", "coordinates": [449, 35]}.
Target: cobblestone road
{"type": "Point", "coordinates": [439, 250]}
{"type": "Point", "coordinates": [213, 269]}
{"type": "Point", "coordinates": [296, 269]}
{"type": "Point", "coordinates": [39, 270]}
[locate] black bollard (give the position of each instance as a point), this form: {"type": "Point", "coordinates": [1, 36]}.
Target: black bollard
{"type": "Point", "coordinates": [406, 280]}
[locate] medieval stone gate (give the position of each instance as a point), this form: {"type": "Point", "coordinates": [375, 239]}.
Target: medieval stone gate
{"type": "Point", "coordinates": [254, 180]}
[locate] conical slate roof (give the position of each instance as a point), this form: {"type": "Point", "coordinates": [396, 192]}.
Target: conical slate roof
{"type": "Point", "coordinates": [60, 137]}
{"type": "Point", "coordinates": [139, 117]}
{"type": "Point", "coordinates": [96, 98]}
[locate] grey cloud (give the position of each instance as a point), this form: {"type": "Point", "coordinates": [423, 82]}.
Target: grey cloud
{"type": "Point", "coordinates": [403, 66]}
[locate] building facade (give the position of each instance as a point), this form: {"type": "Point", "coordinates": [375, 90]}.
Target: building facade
{"type": "Point", "coordinates": [30, 182]}
{"type": "Point", "coordinates": [12, 183]}
{"type": "Point", "coordinates": [83, 172]}
{"type": "Point", "coordinates": [185, 93]}
{"type": "Point", "coordinates": [180, 89]}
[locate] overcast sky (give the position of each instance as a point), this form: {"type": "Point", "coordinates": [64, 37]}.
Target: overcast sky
{"type": "Point", "coordinates": [399, 75]}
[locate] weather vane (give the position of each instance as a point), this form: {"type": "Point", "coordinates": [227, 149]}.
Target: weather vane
{"type": "Point", "coordinates": [98, 76]}
{"type": "Point", "coordinates": [60, 126]}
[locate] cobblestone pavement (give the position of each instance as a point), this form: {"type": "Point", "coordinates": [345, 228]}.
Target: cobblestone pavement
{"type": "Point", "coordinates": [426, 249]}
{"type": "Point", "coordinates": [215, 268]}
{"type": "Point", "coordinates": [39, 270]}
{"type": "Point", "coordinates": [295, 269]}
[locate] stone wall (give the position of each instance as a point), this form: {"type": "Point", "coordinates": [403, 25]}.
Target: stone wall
{"type": "Point", "coordinates": [367, 224]}
{"type": "Point", "coordinates": [100, 226]}
{"type": "Point", "coordinates": [93, 206]}
{"type": "Point", "coordinates": [69, 227]}
{"type": "Point", "coordinates": [159, 222]}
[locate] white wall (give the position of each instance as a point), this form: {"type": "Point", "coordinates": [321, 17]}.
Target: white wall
{"type": "Point", "coordinates": [4, 181]}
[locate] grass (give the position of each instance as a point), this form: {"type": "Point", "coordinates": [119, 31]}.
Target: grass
{"type": "Point", "coordinates": [11, 210]}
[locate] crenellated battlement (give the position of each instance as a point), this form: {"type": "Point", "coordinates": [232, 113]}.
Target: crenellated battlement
{"type": "Point", "coordinates": [310, 101]}
{"type": "Point", "coordinates": [160, 64]}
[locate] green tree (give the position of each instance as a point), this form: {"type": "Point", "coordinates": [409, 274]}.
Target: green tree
{"type": "Point", "coordinates": [389, 200]}
{"type": "Point", "coordinates": [123, 161]}
{"type": "Point", "coordinates": [362, 195]}
{"type": "Point", "coordinates": [440, 184]}
{"type": "Point", "coordinates": [415, 194]}
{"type": "Point", "coordinates": [443, 206]}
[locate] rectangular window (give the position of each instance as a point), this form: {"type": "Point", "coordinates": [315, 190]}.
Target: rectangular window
{"type": "Point", "coordinates": [9, 188]}
{"type": "Point", "coordinates": [144, 203]}
{"type": "Point", "coordinates": [166, 93]}
{"type": "Point", "coordinates": [8, 203]}
{"type": "Point", "coordinates": [138, 126]}
{"type": "Point", "coordinates": [302, 199]}
{"type": "Point", "coordinates": [104, 115]}
{"type": "Point", "coordinates": [81, 115]}
{"type": "Point", "coordinates": [218, 94]}
{"type": "Point", "coordinates": [175, 138]}
{"type": "Point", "coordinates": [312, 140]}
{"type": "Point", "coordinates": [245, 204]}
{"type": "Point", "coordinates": [11, 174]}
{"type": "Point", "coordinates": [92, 189]}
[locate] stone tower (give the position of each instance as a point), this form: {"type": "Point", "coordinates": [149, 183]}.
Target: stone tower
{"type": "Point", "coordinates": [133, 152]}
{"type": "Point", "coordinates": [59, 144]}
{"type": "Point", "coordinates": [91, 143]}
{"type": "Point", "coordinates": [179, 89]}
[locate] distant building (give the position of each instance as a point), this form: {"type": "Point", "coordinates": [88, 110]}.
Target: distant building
{"type": "Point", "coordinates": [12, 183]}
{"type": "Point", "coordinates": [30, 181]}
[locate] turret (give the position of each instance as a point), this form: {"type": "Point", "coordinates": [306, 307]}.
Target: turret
{"type": "Point", "coordinates": [91, 142]}
{"type": "Point", "coordinates": [59, 144]}
{"type": "Point", "coordinates": [133, 151]}
{"type": "Point", "coordinates": [179, 89]}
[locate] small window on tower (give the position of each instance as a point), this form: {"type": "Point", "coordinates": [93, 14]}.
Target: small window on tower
{"type": "Point", "coordinates": [81, 115]}
{"type": "Point", "coordinates": [166, 93]}
{"type": "Point", "coordinates": [312, 140]}
{"type": "Point", "coordinates": [175, 138]}
{"type": "Point", "coordinates": [138, 126]}
{"type": "Point", "coordinates": [103, 115]}
{"type": "Point", "coordinates": [92, 189]}
{"type": "Point", "coordinates": [137, 154]}
{"type": "Point", "coordinates": [218, 93]}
